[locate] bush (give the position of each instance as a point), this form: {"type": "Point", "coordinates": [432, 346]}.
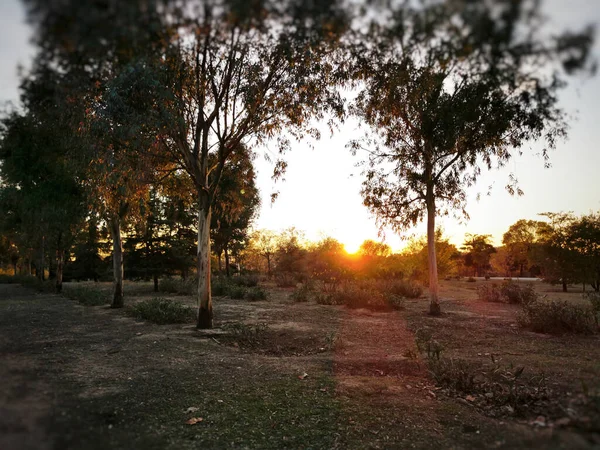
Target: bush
{"type": "Point", "coordinates": [87, 295]}
{"type": "Point", "coordinates": [169, 285]}
{"type": "Point", "coordinates": [301, 294]}
{"type": "Point", "coordinates": [245, 280]}
{"type": "Point", "coordinates": [255, 294]}
{"type": "Point", "coordinates": [8, 279]}
{"type": "Point", "coordinates": [518, 294]}
{"type": "Point", "coordinates": [236, 292]}
{"type": "Point", "coordinates": [396, 302]}
{"type": "Point", "coordinates": [162, 311]}
{"type": "Point", "coordinates": [471, 280]}
{"type": "Point", "coordinates": [285, 280]}
{"type": "Point", "coordinates": [557, 317]}
{"type": "Point", "coordinates": [489, 293]}
{"type": "Point", "coordinates": [220, 287]}
{"type": "Point", "coordinates": [402, 288]}
{"type": "Point", "coordinates": [508, 292]}
{"type": "Point", "coordinates": [594, 299]}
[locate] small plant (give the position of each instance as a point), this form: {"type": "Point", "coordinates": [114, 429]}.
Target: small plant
{"type": "Point", "coordinates": [236, 292]}
{"type": "Point", "coordinates": [255, 294]}
{"type": "Point", "coordinates": [285, 280]}
{"type": "Point", "coordinates": [557, 317]}
{"type": "Point", "coordinates": [247, 336]}
{"type": "Point", "coordinates": [162, 311]}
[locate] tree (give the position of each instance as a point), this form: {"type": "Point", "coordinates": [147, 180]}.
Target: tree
{"type": "Point", "coordinates": [416, 257]}
{"type": "Point", "coordinates": [449, 88]}
{"type": "Point", "coordinates": [238, 205]}
{"type": "Point", "coordinates": [584, 239]}
{"type": "Point", "coordinates": [373, 249]}
{"type": "Point", "coordinates": [264, 242]}
{"type": "Point", "coordinates": [520, 240]}
{"type": "Point", "coordinates": [478, 252]}
{"type": "Point", "coordinates": [238, 76]}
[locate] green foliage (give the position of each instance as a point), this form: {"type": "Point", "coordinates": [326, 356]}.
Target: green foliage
{"type": "Point", "coordinates": [86, 295]}
{"type": "Point", "coordinates": [162, 311]}
{"type": "Point", "coordinates": [558, 317]}
{"type": "Point", "coordinates": [220, 286]}
{"type": "Point", "coordinates": [255, 294]}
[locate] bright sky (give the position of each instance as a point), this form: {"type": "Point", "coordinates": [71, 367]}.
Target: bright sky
{"type": "Point", "coordinates": [320, 194]}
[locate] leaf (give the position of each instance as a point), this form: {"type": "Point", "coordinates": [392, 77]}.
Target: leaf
{"type": "Point", "coordinates": [192, 409]}
{"type": "Point", "coordinates": [194, 420]}
{"type": "Point", "coordinates": [303, 376]}
{"type": "Point", "coordinates": [470, 398]}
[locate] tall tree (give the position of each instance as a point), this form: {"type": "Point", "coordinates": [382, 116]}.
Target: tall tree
{"type": "Point", "coordinates": [520, 240]}
{"type": "Point", "coordinates": [478, 252]}
{"type": "Point", "coordinates": [448, 88]}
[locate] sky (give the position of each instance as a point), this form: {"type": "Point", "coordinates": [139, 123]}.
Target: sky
{"type": "Point", "coordinates": [320, 193]}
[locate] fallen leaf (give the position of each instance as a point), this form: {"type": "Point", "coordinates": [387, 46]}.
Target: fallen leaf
{"type": "Point", "coordinates": [192, 409]}
{"type": "Point", "coordinates": [194, 420]}
{"type": "Point", "coordinates": [470, 398]}
{"type": "Point", "coordinates": [303, 376]}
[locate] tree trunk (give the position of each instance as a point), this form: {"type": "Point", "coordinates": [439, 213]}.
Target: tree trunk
{"type": "Point", "coordinates": [205, 313]}
{"type": "Point", "coordinates": [269, 265]}
{"type": "Point", "coordinates": [227, 262]}
{"type": "Point", "coordinates": [155, 276]}
{"type": "Point", "coordinates": [15, 269]}
{"type": "Point", "coordinates": [219, 260]}
{"type": "Point", "coordinates": [434, 289]}
{"type": "Point", "coordinates": [115, 230]}
{"type": "Point", "coordinates": [60, 263]}
{"type": "Point", "coordinates": [564, 285]}
{"type": "Point", "coordinates": [40, 270]}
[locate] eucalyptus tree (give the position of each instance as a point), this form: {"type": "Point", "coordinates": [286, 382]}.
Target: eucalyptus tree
{"type": "Point", "coordinates": [237, 76]}
{"type": "Point", "coordinates": [448, 88]}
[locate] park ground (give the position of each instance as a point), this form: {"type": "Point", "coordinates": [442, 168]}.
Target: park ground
{"type": "Point", "coordinates": [278, 374]}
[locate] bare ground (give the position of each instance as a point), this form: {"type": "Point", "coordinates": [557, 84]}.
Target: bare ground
{"type": "Point", "coordinates": [279, 375]}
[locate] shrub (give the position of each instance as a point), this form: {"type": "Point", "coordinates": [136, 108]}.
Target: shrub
{"type": "Point", "coordinates": [162, 311]}
{"type": "Point", "coordinates": [8, 279]}
{"type": "Point", "coordinates": [169, 285]}
{"type": "Point", "coordinates": [508, 292]}
{"type": "Point", "coordinates": [356, 296]}
{"type": "Point", "coordinates": [403, 288]}
{"type": "Point", "coordinates": [285, 280]}
{"type": "Point", "coordinates": [256, 293]}
{"type": "Point", "coordinates": [245, 280]}
{"type": "Point", "coordinates": [518, 294]}
{"type": "Point", "coordinates": [220, 287]}
{"type": "Point", "coordinates": [557, 317]}
{"type": "Point", "coordinates": [396, 302]}
{"type": "Point", "coordinates": [471, 280]}
{"type": "Point", "coordinates": [327, 298]}
{"type": "Point", "coordinates": [87, 295]}
{"type": "Point", "coordinates": [594, 299]}
{"type": "Point", "coordinates": [489, 293]}
{"type": "Point", "coordinates": [301, 294]}
{"type": "Point", "coordinates": [236, 292]}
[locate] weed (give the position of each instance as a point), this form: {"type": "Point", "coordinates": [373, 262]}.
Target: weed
{"type": "Point", "coordinates": [162, 311]}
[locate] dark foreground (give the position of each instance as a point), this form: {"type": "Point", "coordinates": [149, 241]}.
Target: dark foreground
{"type": "Point", "coordinates": [287, 376]}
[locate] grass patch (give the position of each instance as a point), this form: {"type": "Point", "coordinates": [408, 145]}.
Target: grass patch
{"type": "Point", "coordinates": [162, 311]}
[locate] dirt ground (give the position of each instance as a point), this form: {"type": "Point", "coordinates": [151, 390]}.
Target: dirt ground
{"type": "Point", "coordinates": [277, 374]}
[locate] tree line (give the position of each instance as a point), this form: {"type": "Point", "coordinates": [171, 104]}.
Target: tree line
{"type": "Point", "coordinates": [141, 119]}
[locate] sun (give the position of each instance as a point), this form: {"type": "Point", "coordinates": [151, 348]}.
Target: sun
{"type": "Point", "coordinates": [352, 247]}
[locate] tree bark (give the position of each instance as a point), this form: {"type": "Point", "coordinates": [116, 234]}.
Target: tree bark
{"type": "Point", "coordinates": [115, 230]}
{"type": "Point", "coordinates": [434, 288]}
{"type": "Point", "coordinates": [227, 262]}
{"type": "Point", "coordinates": [205, 312]}
{"type": "Point", "coordinates": [219, 260]}
{"type": "Point", "coordinates": [60, 263]}
{"type": "Point", "coordinates": [40, 271]}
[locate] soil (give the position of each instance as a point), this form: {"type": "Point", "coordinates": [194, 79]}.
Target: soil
{"type": "Point", "coordinates": [277, 374]}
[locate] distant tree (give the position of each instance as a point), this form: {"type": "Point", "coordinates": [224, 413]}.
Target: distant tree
{"type": "Point", "coordinates": [478, 252]}
{"type": "Point", "coordinates": [327, 261]}
{"type": "Point", "coordinates": [448, 88]}
{"type": "Point", "coordinates": [520, 241]}
{"type": "Point", "coordinates": [416, 257]}
{"type": "Point", "coordinates": [372, 248]}
{"type": "Point", "coordinates": [290, 256]}
{"type": "Point", "coordinates": [239, 201]}
{"type": "Point", "coordinates": [557, 256]}
{"type": "Point", "coordinates": [264, 243]}
{"type": "Point", "coordinates": [584, 239]}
